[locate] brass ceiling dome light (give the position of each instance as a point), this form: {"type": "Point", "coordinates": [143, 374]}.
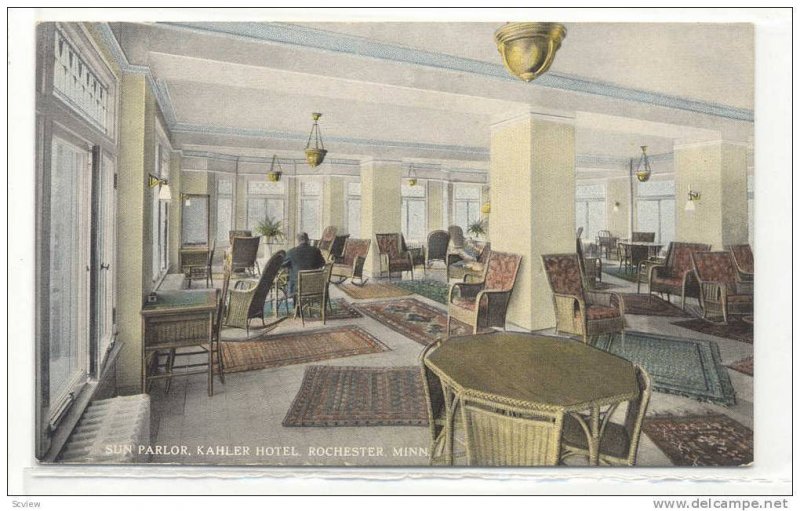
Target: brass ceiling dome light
{"type": "Point", "coordinates": [528, 49]}
{"type": "Point", "coordinates": [315, 155]}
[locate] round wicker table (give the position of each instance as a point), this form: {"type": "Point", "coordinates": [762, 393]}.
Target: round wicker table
{"type": "Point", "coordinates": [536, 372]}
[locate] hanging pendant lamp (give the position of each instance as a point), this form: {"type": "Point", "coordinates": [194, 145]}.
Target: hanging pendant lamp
{"type": "Point", "coordinates": [643, 169]}
{"type": "Point", "coordinates": [315, 155]}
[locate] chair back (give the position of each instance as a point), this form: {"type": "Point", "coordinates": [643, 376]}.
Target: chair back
{"type": "Point", "coordinates": [743, 257]}
{"type": "Point", "coordinates": [456, 236]}
{"type": "Point", "coordinates": [679, 256]}
{"type": "Point", "coordinates": [501, 271]}
{"type": "Point", "coordinates": [313, 282]}
{"type": "Point", "coordinates": [221, 304]}
{"type": "Point", "coordinates": [499, 435]}
{"type": "Point", "coordinates": [210, 260]}
{"type": "Point", "coordinates": [634, 416]}
{"type": "Point", "coordinates": [353, 248]}
{"type": "Point", "coordinates": [564, 274]}
{"type": "Point", "coordinates": [434, 395]}
{"type": "Point", "coordinates": [715, 267]}
{"type": "Point", "coordinates": [244, 251]}
{"type": "Point", "coordinates": [643, 237]}
{"type": "Point", "coordinates": [579, 232]}
{"type": "Point", "coordinates": [337, 247]}
{"type": "Point", "coordinates": [437, 244]}
{"type": "Point", "coordinates": [326, 240]}
{"type": "Point", "coordinates": [389, 244]}
{"type": "Point", "coordinates": [265, 283]}
{"type": "Point", "coordinates": [239, 234]}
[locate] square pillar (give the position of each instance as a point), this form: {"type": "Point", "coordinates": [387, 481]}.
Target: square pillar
{"type": "Point", "coordinates": [718, 171]}
{"type": "Point", "coordinates": [333, 203]}
{"type": "Point", "coordinates": [532, 193]}
{"type": "Point", "coordinates": [436, 205]}
{"type": "Point", "coordinates": [380, 204]}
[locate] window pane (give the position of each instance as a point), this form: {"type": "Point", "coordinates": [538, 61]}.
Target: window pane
{"type": "Point", "coordinates": [275, 209]}
{"type": "Point", "coordinates": [590, 191]}
{"type": "Point", "coordinates": [595, 218]}
{"type": "Point", "coordinates": [416, 221]}
{"type": "Point", "coordinates": [580, 219]}
{"type": "Point", "coordinates": [654, 188]}
{"type": "Point", "coordinates": [264, 187]}
{"type": "Point", "coordinates": [354, 188]}
{"type": "Point", "coordinates": [224, 187]}
{"type": "Point", "coordinates": [417, 190]}
{"type": "Point", "coordinates": [460, 214]}
{"type": "Point", "coordinates": [354, 217]}
{"type": "Point", "coordinates": [256, 212]}
{"type": "Point", "coordinates": [647, 216]}
{"type": "Point", "coordinates": [309, 218]}
{"type": "Point", "coordinates": [467, 192]}
{"type": "Point", "coordinates": [224, 205]}
{"type": "Point", "coordinates": [69, 257]}
{"type": "Point", "coordinates": [667, 221]}
{"type": "Point", "coordinates": [445, 205]}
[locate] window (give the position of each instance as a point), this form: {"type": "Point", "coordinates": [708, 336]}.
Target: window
{"type": "Point", "coordinates": [466, 205]}
{"type": "Point", "coordinates": [446, 204]}
{"type": "Point", "coordinates": [106, 239]}
{"type": "Point", "coordinates": [590, 209]}
{"type": "Point", "coordinates": [77, 85]}
{"type": "Point", "coordinates": [265, 199]}
{"type": "Point", "coordinates": [310, 217]}
{"type": "Point", "coordinates": [413, 211]}
{"type": "Point", "coordinates": [750, 215]}
{"type": "Point", "coordinates": [353, 205]}
{"type": "Point", "coordinates": [160, 235]}
{"type": "Point", "coordinates": [655, 209]}
{"type": "Point", "coordinates": [224, 209]}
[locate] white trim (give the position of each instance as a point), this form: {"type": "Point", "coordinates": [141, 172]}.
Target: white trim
{"type": "Point", "coordinates": [705, 143]}
{"type": "Point", "coordinates": [548, 117]}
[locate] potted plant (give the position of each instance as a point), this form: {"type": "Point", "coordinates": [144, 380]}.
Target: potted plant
{"type": "Point", "coordinates": [272, 230]}
{"type": "Point", "coordinates": [477, 228]}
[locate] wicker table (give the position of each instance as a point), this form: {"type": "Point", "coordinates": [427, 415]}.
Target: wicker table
{"type": "Point", "coordinates": [177, 320]}
{"type": "Point", "coordinates": [536, 372]}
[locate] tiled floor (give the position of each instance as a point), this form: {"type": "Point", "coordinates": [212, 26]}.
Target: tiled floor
{"type": "Point", "coordinates": [248, 409]}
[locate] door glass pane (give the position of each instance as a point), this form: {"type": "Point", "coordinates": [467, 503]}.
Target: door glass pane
{"type": "Point", "coordinates": [256, 212]}
{"type": "Point", "coordinates": [354, 217]}
{"type": "Point", "coordinates": [224, 205]}
{"type": "Point", "coordinates": [667, 221]}
{"type": "Point", "coordinates": [69, 258]}
{"type": "Point", "coordinates": [595, 218]}
{"type": "Point", "coordinates": [309, 218]}
{"type": "Point", "coordinates": [416, 221]}
{"type": "Point", "coordinates": [580, 219]}
{"type": "Point", "coordinates": [460, 213]}
{"type": "Point", "coordinates": [647, 216]}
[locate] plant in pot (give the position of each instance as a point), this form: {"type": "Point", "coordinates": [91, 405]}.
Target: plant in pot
{"type": "Point", "coordinates": [272, 230]}
{"type": "Point", "coordinates": [477, 228]}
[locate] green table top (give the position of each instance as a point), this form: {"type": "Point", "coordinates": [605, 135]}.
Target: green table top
{"type": "Point", "coordinates": [187, 300]}
{"type": "Point", "coordinates": [534, 371]}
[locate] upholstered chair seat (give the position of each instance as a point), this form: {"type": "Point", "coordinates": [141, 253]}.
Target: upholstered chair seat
{"type": "Point", "coordinates": [676, 276]}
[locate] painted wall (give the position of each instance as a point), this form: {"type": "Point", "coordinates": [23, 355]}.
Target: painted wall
{"type": "Point", "coordinates": [195, 182]}
{"type": "Point", "coordinates": [618, 190]}
{"type": "Point", "coordinates": [380, 204]}
{"type": "Point", "coordinates": [175, 184]}
{"type": "Point", "coordinates": [435, 205]}
{"type": "Point", "coordinates": [333, 212]}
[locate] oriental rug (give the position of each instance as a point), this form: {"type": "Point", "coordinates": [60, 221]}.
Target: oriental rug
{"type": "Point", "coordinates": [649, 305]}
{"type": "Point", "coordinates": [744, 366]}
{"type": "Point", "coordinates": [298, 348]}
{"type": "Point", "coordinates": [686, 367]}
{"type": "Point", "coordinates": [711, 440]}
{"type": "Point", "coordinates": [736, 329]}
{"type": "Point", "coordinates": [341, 310]}
{"type": "Point", "coordinates": [372, 290]}
{"type": "Point", "coordinates": [616, 271]}
{"type": "Point", "coordinates": [433, 289]}
{"type": "Point", "coordinates": [359, 396]}
{"type": "Point", "coordinates": [416, 320]}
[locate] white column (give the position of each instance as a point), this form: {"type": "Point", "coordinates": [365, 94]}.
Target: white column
{"type": "Point", "coordinates": [380, 204]}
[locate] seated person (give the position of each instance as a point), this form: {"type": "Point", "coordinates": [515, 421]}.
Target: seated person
{"type": "Point", "coordinates": [470, 253]}
{"type": "Point", "coordinates": [302, 257]}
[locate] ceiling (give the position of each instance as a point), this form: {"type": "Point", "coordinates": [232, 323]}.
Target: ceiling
{"type": "Point", "coordinates": [431, 91]}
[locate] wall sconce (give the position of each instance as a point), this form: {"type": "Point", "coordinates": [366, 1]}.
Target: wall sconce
{"type": "Point", "coordinates": [315, 155]}
{"type": "Point", "coordinates": [164, 193]}
{"type": "Point", "coordinates": [412, 175]}
{"type": "Point", "coordinates": [616, 206]}
{"type": "Point", "coordinates": [186, 199]}
{"type": "Point", "coordinates": [693, 197]}
{"type": "Point", "coordinates": [486, 208]}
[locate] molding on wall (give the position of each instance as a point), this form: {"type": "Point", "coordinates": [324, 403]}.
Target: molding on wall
{"type": "Point", "coordinates": [296, 35]}
{"type": "Point", "coordinates": [542, 116]}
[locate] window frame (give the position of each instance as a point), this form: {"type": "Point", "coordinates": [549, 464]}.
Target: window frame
{"type": "Point", "coordinates": [265, 198]}
{"type": "Point", "coordinates": [317, 197]}
{"type": "Point", "coordinates": [658, 199]}
{"type": "Point", "coordinates": [349, 200]}
{"type": "Point", "coordinates": [469, 202]}
{"type": "Point", "coordinates": [405, 204]}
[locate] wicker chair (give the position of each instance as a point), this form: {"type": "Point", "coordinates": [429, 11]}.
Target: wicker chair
{"type": "Point", "coordinates": [312, 285]}
{"type": "Point", "coordinates": [392, 258]}
{"type": "Point", "coordinates": [743, 257]}
{"type": "Point", "coordinates": [244, 255]}
{"type": "Point", "coordinates": [202, 272]}
{"type": "Point", "coordinates": [456, 237]}
{"type": "Point", "coordinates": [239, 234]}
{"type": "Point", "coordinates": [591, 267]}
{"type": "Point", "coordinates": [248, 303]}
{"type": "Point", "coordinates": [619, 443]}
{"type": "Point", "coordinates": [581, 312]}
{"type": "Point", "coordinates": [325, 241]}
{"type": "Point", "coordinates": [484, 304]}
{"type": "Point", "coordinates": [676, 275]}
{"type": "Point", "coordinates": [337, 247]}
{"type": "Point", "coordinates": [438, 242]}
{"type": "Point", "coordinates": [607, 242]}
{"type": "Point", "coordinates": [351, 264]}
{"type": "Point", "coordinates": [458, 267]}
{"type": "Point", "coordinates": [417, 254]}
{"type": "Point", "coordinates": [721, 290]}
{"type": "Point", "coordinates": [500, 435]}
{"type": "Point", "coordinates": [643, 237]}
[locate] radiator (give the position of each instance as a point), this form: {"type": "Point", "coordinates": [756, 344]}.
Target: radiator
{"type": "Point", "coordinates": [111, 431]}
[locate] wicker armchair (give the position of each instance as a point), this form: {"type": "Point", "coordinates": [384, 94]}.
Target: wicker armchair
{"type": "Point", "coordinates": [438, 242]}
{"type": "Point", "coordinates": [337, 247]}
{"type": "Point", "coordinates": [460, 267]}
{"type": "Point", "coordinates": [244, 255]}
{"type": "Point", "coordinates": [392, 258]}
{"type": "Point", "coordinates": [676, 275]}
{"type": "Point", "coordinates": [417, 254]}
{"type": "Point", "coordinates": [607, 242]}
{"type": "Point", "coordinates": [743, 257]}
{"type": "Point", "coordinates": [500, 435]}
{"type": "Point", "coordinates": [591, 267]}
{"type": "Point", "coordinates": [239, 234]}
{"type": "Point", "coordinates": [484, 304]}
{"type": "Point", "coordinates": [643, 237]}
{"type": "Point", "coordinates": [721, 290]}
{"type": "Point", "coordinates": [619, 443]}
{"type": "Point", "coordinates": [351, 264]}
{"type": "Point", "coordinates": [312, 285]}
{"type": "Point", "coordinates": [246, 304]}
{"type": "Point", "coordinates": [581, 312]}
{"type": "Point", "coordinates": [456, 236]}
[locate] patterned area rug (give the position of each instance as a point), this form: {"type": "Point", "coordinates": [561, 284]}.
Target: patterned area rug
{"type": "Point", "coordinates": [647, 305]}
{"type": "Point", "coordinates": [341, 310]}
{"type": "Point", "coordinates": [359, 396]}
{"type": "Point", "coordinates": [412, 318]}
{"type": "Point", "coordinates": [615, 271]}
{"type": "Point", "coordinates": [372, 290]}
{"type": "Point", "coordinates": [701, 440]}
{"type": "Point", "coordinates": [744, 366]}
{"type": "Point", "coordinates": [433, 289]}
{"type": "Point", "coordinates": [736, 329]}
{"type": "Point", "coordinates": [299, 348]}
{"type": "Point", "coordinates": [687, 367]}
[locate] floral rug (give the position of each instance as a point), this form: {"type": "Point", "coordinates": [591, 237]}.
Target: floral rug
{"type": "Point", "coordinates": [711, 440]}
{"type": "Point", "coordinates": [359, 396]}
{"type": "Point", "coordinates": [372, 290]}
{"type": "Point", "coordinates": [687, 367]}
{"type": "Point", "coordinates": [433, 289]}
{"type": "Point", "coordinates": [298, 348]}
{"type": "Point", "coordinates": [736, 329]}
{"type": "Point", "coordinates": [412, 318]}
{"type": "Point", "coordinates": [744, 366]}
{"type": "Point", "coordinates": [649, 305]}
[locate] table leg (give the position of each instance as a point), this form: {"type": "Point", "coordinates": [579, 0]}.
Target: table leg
{"type": "Point", "coordinates": [450, 400]}
{"type": "Point", "coordinates": [594, 441]}
{"type": "Point", "coordinates": [210, 355]}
